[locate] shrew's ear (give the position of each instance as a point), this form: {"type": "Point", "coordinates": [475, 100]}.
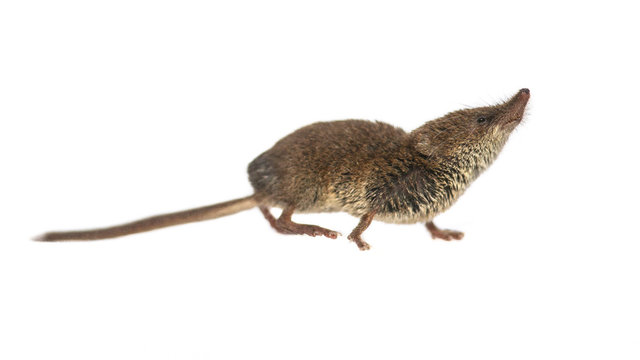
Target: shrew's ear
{"type": "Point", "coordinates": [424, 144]}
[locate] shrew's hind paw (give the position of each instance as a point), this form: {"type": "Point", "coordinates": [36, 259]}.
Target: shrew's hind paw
{"type": "Point", "coordinates": [284, 225]}
{"type": "Point", "coordinates": [312, 230]}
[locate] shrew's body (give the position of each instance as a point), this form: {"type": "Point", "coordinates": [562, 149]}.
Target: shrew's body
{"type": "Point", "coordinates": [370, 170]}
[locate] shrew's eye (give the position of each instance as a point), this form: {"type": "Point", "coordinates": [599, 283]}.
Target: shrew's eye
{"type": "Point", "coordinates": [482, 119]}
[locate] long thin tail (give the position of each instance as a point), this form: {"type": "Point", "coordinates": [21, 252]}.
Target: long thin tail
{"type": "Point", "coordinates": [155, 222]}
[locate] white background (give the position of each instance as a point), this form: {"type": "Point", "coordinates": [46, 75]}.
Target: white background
{"type": "Point", "coordinates": [116, 110]}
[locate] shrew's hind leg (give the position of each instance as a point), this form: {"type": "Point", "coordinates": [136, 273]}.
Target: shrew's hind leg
{"type": "Point", "coordinates": [284, 225]}
{"type": "Point", "coordinates": [364, 223]}
{"type": "Point", "coordinates": [443, 234]}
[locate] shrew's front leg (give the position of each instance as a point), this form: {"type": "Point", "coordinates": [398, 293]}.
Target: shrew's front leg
{"type": "Point", "coordinates": [364, 223]}
{"type": "Point", "coordinates": [443, 234]}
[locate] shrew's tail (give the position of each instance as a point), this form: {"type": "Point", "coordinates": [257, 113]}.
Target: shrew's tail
{"type": "Point", "coordinates": [155, 222]}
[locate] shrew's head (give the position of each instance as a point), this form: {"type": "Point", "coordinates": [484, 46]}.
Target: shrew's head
{"type": "Point", "coordinates": [477, 133]}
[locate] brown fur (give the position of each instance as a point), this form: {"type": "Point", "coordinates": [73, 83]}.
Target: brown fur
{"type": "Point", "coordinates": [371, 170]}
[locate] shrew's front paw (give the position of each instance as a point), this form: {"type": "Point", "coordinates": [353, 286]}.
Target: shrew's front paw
{"type": "Point", "coordinates": [362, 245]}
{"type": "Point", "coordinates": [443, 234]}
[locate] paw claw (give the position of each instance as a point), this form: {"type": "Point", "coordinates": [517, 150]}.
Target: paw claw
{"type": "Point", "coordinates": [333, 234]}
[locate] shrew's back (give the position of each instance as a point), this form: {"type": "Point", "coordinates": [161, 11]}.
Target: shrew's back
{"type": "Point", "coordinates": [305, 167]}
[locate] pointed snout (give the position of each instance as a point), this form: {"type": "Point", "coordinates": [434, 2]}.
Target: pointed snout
{"type": "Point", "coordinates": [521, 98]}
{"type": "Point", "coordinates": [514, 108]}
